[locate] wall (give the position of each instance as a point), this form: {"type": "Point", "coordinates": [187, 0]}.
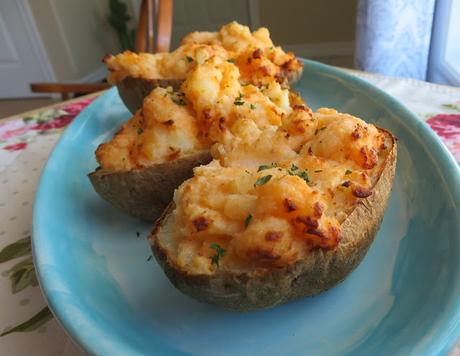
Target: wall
{"type": "Point", "coordinates": [310, 21]}
{"type": "Point", "coordinates": [76, 36]}
{"type": "Point", "coordinates": [320, 29]}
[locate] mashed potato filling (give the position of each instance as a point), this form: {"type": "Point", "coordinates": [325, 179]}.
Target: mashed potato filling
{"type": "Point", "coordinates": [260, 212]}
{"type": "Point", "coordinates": [253, 53]}
{"type": "Point", "coordinates": [212, 106]}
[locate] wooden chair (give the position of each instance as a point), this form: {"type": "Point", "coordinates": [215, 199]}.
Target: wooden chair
{"type": "Point", "coordinates": [154, 31]}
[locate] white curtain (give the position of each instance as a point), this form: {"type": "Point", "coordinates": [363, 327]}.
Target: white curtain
{"type": "Point", "coordinates": [393, 37]}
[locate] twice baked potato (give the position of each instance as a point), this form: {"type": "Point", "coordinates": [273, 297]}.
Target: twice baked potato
{"type": "Point", "coordinates": [254, 54]}
{"type": "Point", "coordinates": [133, 91]}
{"type": "Point", "coordinates": [175, 130]}
{"type": "Point", "coordinates": [146, 192]}
{"type": "Point", "coordinates": [254, 234]}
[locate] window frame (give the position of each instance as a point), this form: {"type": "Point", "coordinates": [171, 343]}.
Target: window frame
{"type": "Point", "coordinates": [445, 31]}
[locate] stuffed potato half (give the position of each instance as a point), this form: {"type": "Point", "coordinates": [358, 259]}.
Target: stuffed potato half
{"type": "Point", "coordinates": [156, 150]}
{"type": "Point", "coordinates": [258, 60]}
{"type": "Point", "coordinates": [253, 262]}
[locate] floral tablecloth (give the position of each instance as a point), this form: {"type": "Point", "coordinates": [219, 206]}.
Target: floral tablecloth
{"type": "Point", "coordinates": [27, 327]}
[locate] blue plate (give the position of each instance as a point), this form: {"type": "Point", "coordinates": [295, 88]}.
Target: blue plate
{"type": "Point", "coordinates": [403, 299]}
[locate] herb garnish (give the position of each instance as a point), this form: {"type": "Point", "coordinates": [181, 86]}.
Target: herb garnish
{"type": "Point", "coordinates": [239, 100]}
{"type": "Point", "coordinates": [304, 176]}
{"type": "Point", "coordinates": [140, 130]}
{"type": "Point", "coordinates": [266, 166]}
{"type": "Point", "coordinates": [293, 171]}
{"type": "Point", "coordinates": [321, 129]}
{"type": "Point", "coordinates": [248, 220]}
{"type": "Point", "coordinates": [263, 180]}
{"type": "Point", "coordinates": [231, 60]}
{"type": "Point", "coordinates": [347, 172]}
{"type": "Point", "coordinates": [220, 252]}
{"type": "Point", "coordinates": [252, 106]}
{"type": "Point", "coordinates": [189, 59]}
{"type": "Point", "coordinates": [264, 87]}
{"type": "Point", "coordinates": [178, 98]}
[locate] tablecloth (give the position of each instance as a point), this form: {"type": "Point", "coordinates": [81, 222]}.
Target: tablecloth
{"type": "Point", "coordinates": [27, 327]}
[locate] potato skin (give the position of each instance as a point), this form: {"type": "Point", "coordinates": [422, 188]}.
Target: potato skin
{"type": "Point", "coordinates": [133, 90]}
{"type": "Point", "coordinates": [144, 193]}
{"type": "Point", "coordinates": [319, 272]}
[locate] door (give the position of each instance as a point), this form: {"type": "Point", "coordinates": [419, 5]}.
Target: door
{"type": "Point", "coordinates": [22, 57]}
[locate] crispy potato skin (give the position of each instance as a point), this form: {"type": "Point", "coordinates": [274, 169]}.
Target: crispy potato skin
{"type": "Point", "coordinates": [133, 90]}
{"type": "Point", "coordinates": [145, 193]}
{"type": "Point", "coordinates": [319, 272]}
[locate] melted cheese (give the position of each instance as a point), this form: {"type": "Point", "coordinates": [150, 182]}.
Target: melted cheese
{"type": "Point", "coordinates": [267, 204]}
{"type": "Point", "coordinates": [212, 107]}
{"type": "Point", "coordinates": [254, 54]}
{"type": "Point", "coordinates": [160, 132]}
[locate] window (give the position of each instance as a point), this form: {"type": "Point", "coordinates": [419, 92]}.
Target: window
{"type": "Point", "coordinates": [444, 64]}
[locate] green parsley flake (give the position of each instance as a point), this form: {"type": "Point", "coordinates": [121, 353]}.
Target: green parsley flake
{"type": "Point", "coordinates": [248, 220]}
{"type": "Point", "coordinates": [238, 101]}
{"type": "Point", "coordinates": [266, 166]}
{"type": "Point", "coordinates": [220, 252]}
{"type": "Point", "coordinates": [304, 176]}
{"type": "Point", "coordinates": [140, 130]}
{"type": "Point", "coordinates": [348, 172]}
{"type": "Point", "coordinates": [231, 60]}
{"type": "Point", "coordinates": [252, 106]}
{"type": "Point", "coordinates": [263, 167]}
{"type": "Point", "coordinates": [177, 99]}
{"type": "Point", "coordinates": [263, 180]}
{"type": "Point", "coordinates": [294, 167]}
{"type": "Point", "coordinates": [189, 59]}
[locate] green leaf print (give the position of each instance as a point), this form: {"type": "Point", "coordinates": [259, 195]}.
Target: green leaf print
{"type": "Point", "coordinates": [19, 248]}
{"type": "Point", "coordinates": [22, 275]}
{"type": "Point", "coordinates": [33, 323]}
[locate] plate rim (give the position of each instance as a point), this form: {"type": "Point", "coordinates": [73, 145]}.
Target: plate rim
{"type": "Point", "coordinates": [441, 341]}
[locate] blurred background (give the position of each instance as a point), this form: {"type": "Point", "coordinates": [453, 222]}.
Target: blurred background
{"type": "Point", "coordinates": [64, 40]}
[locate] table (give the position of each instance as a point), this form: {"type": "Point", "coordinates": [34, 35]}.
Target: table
{"type": "Point", "coordinates": [27, 139]}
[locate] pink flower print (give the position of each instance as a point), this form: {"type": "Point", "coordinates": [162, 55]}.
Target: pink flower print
{"type": "Point", "coordinates": [447, 126]}
{"type": "Point", "coordinates": [12, 129]}
{"type": "Point", "coordinates": [16, 147]}
{"type": "Point", "coordinates": [56, 123]}
{"type": "Point", "coordinates": [76, 107]}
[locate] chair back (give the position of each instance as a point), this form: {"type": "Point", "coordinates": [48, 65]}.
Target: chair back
{"type": "Point", "coordinates": [154, 28]}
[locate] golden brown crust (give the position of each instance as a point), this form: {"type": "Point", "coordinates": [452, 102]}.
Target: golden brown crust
{"type": "Point", "coordinates": [144, 193]}
{"type": "Point", "coordinates": [133, 90]}
{"type": "Point", "coordinates": [293, 76]}
{"type": "Point", "coordinates": [315, 274]}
